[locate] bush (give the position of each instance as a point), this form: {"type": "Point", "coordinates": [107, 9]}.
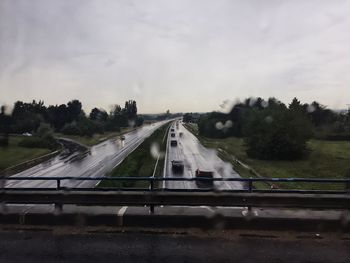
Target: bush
{"type": "Point", "coordinates": [4, 140]}
{"type": "Point", "coordinates": [139, 121]}
{"type": "Point", "coordinates": [82, 127]}
{"type": "Point", "coordinates": [71, 129]}
{"type": "Point", "coordinates": [277, 134]}
{"type": "Point", "coordinates": [44, 129]}
{"type": "Point", "coordinates": [47, 142]}
{"type": "Point", "coordinates": [214, 125]}
{"type": "Point", "coordinates": [111, 126]}
{"type": "Point", "coordinates": [333, 136]}
{"type": "Point", "coordinates": [338, 137]}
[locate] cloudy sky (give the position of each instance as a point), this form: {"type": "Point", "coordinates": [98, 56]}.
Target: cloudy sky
{"type": "Point", "coordinates": [183, 55]}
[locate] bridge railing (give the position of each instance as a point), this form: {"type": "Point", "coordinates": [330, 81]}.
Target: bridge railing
{"type": "Point", "coordinates": [152, 184]}
{"type": "Point", "coordinates": [68, 190]}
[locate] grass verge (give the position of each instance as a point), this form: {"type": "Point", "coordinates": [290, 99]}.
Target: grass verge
{"type": "Point", "coordinates": [14, 154]}
{"type": "Point", "coordinates": [140, 163]}
{"type": "Point", "coordinates": [327, 159]}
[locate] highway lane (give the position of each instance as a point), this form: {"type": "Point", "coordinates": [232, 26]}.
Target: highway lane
{"type": "Point", "coordinates": [195, 156]}
{"type": "Point", "coordinates": [101, 159]}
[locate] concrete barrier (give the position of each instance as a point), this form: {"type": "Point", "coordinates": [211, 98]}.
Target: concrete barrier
{"type": "Point", "coordinates": [181, 217]}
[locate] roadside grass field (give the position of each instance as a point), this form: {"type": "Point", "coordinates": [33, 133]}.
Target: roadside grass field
{"type": "Point", "coordinates": [327, 160]}
{"type": "Point", "coordinates": [95, 139]}
{"type": "Point", "coordinates": [14, 154]}
{"type": "Point", "coordinates": [140, 163]}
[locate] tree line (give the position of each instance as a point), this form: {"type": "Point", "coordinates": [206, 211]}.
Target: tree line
{"type": "Point", "coordinates": [69, 119]}
{"type": "Point", "coordinates": [273, 130]}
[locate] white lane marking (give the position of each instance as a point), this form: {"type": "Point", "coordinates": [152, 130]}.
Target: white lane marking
{"type": "Point", "coordinates": [120, 215]}
{"type": "Point", "coordinates": [155, 166]}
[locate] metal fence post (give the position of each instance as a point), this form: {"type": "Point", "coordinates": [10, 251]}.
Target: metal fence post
{"type": "Point", "coordinates": [250, 185]}
{"type": "Point", "coordinates": [58, 206]}
{"type": "Point", "coordinates": [250, 189]}
{"type": "Point", "coordinates": [151, 208]}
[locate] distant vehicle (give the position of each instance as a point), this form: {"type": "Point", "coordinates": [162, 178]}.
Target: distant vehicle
{"type": "Point", "coordinates": [177, 166]}
{"type": "Point", "coordinates": [172, 129]}
{"type": "Point", "coordinates": [27, 134]}
{"type": "Point", "coordinates": [173, 143]}
{"type": "Point", "coordinates": [181, 134]}
{"type": "Point", "coordinates": [204, 183]}
{"type": "Point", "coordinates": [122, 137]}
{"type": "Point", "coordinates": [172, 135]}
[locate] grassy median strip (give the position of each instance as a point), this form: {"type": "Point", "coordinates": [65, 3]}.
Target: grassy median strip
{"type": "Point", "coordinates": [140, 163]}
{"type": "Point", "coordinates": [14, 154]}
{"type": "Point", "coordinates": [327, 159]}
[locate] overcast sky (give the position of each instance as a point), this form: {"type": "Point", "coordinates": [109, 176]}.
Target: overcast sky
{"type": "Point", "coordinates": [178, 55]}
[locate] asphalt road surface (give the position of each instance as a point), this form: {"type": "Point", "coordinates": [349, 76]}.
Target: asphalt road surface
{"type": "Point", "coordinates": [195, 156]}
{"type": "Point", "coordinates": [101, 159]}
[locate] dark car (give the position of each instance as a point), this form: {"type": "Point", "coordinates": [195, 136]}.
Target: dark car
{"type": "Point", "coordinates": [172, 134]}
{"type": "Point", "coordinates": [205, 175]}
{"type": "Point", "coordinates": [173, 143]}
{"type": "Point", "coordinates": [177, 166]}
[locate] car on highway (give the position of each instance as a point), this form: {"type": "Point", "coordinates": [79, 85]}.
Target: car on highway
{"type": "Point", "coordinates": [173, 143]}
{"type": "Point", "coordinates": [177, 166]}
{"type": "Point", "coordinates": [204, 175]}
{"type": "Point", "coordinates": [172, 130]}
{"type": "Point", "coordinates": [172, 134]}
{"type": "Point", "coordinates": [181, 134]}
{"type": "Point", "coordinates": [122, 137]}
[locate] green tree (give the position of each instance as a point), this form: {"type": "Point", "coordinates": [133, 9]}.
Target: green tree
{"type": "Point", "coordinates": [74, 109]}
{"type": "Point", "coordinates": [277, 133]}
{"type": "Point", "coordinates": [98, 114]}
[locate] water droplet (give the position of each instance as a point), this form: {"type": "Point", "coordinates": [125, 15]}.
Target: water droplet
{"type": "Point", "coordinates": [264, 104]}
{"type": "Point", "coordinates": [155, 150]}
{"type": "Point", "coordinates": [228, 124]}
{"type": "Point", "coordinates": [219, 125]}
{"type": "Point", "coordinates": [252, 101]}
{"type": "Point", "coordinates": [227, 105]}
{"type": "Point", "coordinates": [137, 88]}
{"type": "Point", "coordinates": [131, 123]}
{"type": "Point", "coordinates": [310, 108]}
{"type": "Point", "coordinates": [269, 119]}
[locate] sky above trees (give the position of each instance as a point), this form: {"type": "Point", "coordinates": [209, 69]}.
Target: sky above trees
{"type": "Point", "coordinates": [178, 55]}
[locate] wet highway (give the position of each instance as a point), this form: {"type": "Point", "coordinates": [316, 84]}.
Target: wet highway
{"type": "Point", "coordinates": [100, 160]}
{"type": "Point", "coordinates": [195, 156]}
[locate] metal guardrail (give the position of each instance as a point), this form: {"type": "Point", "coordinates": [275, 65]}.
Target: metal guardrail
{"type": "Point", "coordinates": [152, 196]}
{"type": "Point", "coordinates": [246, 182]}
